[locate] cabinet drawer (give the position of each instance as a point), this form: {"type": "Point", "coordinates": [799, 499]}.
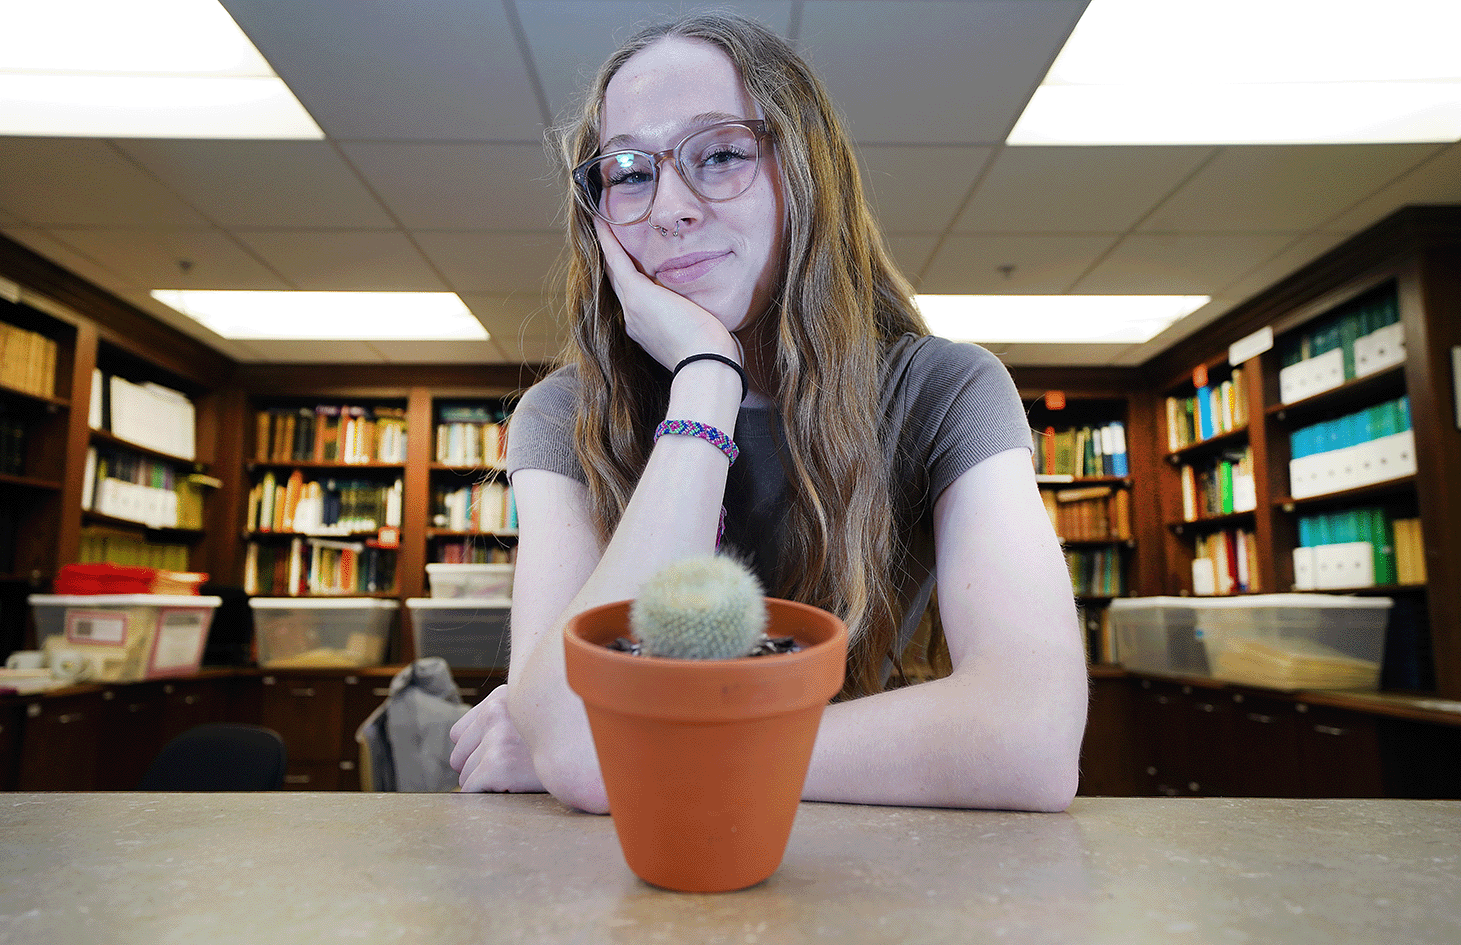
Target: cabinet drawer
{"type": "Point", "coordinates": [307, 712]}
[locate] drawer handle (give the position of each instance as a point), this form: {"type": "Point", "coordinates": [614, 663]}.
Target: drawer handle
{"type": "Point", "coordinates": [347, 766]}
{"type": "Point", "coordinates": [1260, 718]}
{"type": "Point", "coordinates": [303, 691]}
{"type": "Point", "coordinates": [1207, 707]}
{"type": "Point", "coordinates": [1328, 730]}
{"type": "Point", "coordinates": [381, 691]}
{"type": "Point", "coordinates": [190, 700]}
{"type": "Point", "coordinates": [467, 692]}
{"type": "Point", "coordinates": [296, 779]}
{"type": "Point", "coordinates": [69, 717]}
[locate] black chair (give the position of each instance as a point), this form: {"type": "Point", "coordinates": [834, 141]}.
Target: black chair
{"type": "Point", "coordinates": [219, 758]}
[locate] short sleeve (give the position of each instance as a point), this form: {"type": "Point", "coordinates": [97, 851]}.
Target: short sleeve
{"type": "Point", "coordinates": [540, 432]}
{"type": "Point", "coordinates": [953, 404]}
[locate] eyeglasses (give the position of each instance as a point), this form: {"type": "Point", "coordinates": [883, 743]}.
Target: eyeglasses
{"type": "Point", "coordinates": [717, 163]}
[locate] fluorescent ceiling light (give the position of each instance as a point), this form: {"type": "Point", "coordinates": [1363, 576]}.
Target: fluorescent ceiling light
{"type": "Point", "coordinates": [328, 316]}
{"type": "Point", "coordinates": [1071, 319]}
{"type": "Point", "coordinates": [141, 69]}
{"type": "Point", "coordinates": [1155, 72]}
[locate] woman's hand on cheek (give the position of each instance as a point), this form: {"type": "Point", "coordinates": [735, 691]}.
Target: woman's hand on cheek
{"type": "Point", "coordinates": [667, 325]}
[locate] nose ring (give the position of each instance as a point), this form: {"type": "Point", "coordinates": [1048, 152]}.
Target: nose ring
{"type": "Point", "coordinates": [665, 232]}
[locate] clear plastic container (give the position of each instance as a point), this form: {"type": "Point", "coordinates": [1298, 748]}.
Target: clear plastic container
{"type": "Point", "coordinates": [322, 632]}
{"type": "Point", "coordinates": [124, 637]}
{"type": "Point", "coordinates": [468, 634]}
{"type": "Point", "coordinates": [1296, 641]}
{"type": "Point", "coordinates": [450, 581]}
{"type": "Point", "coordinates": [1158, 635]}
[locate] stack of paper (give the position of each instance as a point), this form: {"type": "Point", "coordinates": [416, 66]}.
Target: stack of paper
{"type": "Point", "coordinates": [1296, 664]}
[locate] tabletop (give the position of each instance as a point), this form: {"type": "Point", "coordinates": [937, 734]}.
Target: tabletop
{"type": "Point", "coordinates": [449, 868]}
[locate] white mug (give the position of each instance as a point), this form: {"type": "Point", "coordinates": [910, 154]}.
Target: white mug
{"type": "Point", "coordinates": [71, 666]}
{"type": "Point", "coordinates": [25, 659]}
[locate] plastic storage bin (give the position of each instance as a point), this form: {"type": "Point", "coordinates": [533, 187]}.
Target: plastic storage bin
{"type": "Point", "coordinates": [449, 581]}
{"type": "Point", "coordinates": [468, 634]}
{"type": "Point", "coordinates": [1158, 635]}
{"type": "Point", "coordinates": [124, 637]}
{"type": "Point", "coordinates": [1296, 641]}
{"type": "Point", "coordinates": [321, 632]}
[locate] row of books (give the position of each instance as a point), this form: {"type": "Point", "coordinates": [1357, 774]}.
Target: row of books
{"type": "Point", "coordinates": [471, 444]}
{"type": "Point", "coordinates": [27, 360]}
{"type": "Point", "coordinates": [108, 546]}
{"type": "Point", "coordinates": [485, 506]}
{"type": "Point", "coordinates": [471, 434]}
{"type": "Point", "coordinates": [318, 566]}
{"type": "Point", "coordinates": [1096, 572]}
{"type": "Point", "coordinates": [330, 433]}
{"type": "Point", "coordinates": [1211, 411]}
{"type": "Point", "coordinates": [1089, 513]}
{"type": "Point", "coordinates": [1358, 547]}
{"type": "Point", "coordinates": [1082, 451]}
{"type": "Point", "coordinates": [1364, 337]}
{"type": "Point", "coordinates": [1220, 487]}
{"type": "Point", "coordinates": [140, 489]}
{"type": "Point", "coordinates": [325, 506]}
{"type": "Point", "coordinates": [1368, 446]}
{"type": "Point", "coordinates": [12, 446]}
{"type": "Point", "coordinates": [147, 414]}
{"type": "Point", "coordinates": [1226, 562]}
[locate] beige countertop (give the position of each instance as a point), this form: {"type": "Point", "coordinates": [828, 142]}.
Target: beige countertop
{"type": "Point", "coordinates": [445, 868]}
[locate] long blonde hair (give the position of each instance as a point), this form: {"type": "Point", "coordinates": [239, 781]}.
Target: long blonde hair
{"type": "Point", "coordinates": [840, 304]}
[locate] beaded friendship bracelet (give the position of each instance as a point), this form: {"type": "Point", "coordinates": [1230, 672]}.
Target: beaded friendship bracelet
{"type": "Point", "coordinates": [708, 356]}
{"type": "Point", "coordinates": [701, 431]}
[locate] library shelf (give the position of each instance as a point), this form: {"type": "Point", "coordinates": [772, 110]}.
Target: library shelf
{"type": "Point", "coordinates": [104, 438]}
{"type": "Point", "coordinates": [1204, 448]}
{"type": "Point", "coordinates": [1098, 542]}
{"type": "Point", "coordinates": [1398, 486]}
{"type": "Point", "coordinates": [1047, 481]}
{"type": "Point", "coordinates": [320, 536]}
{"type": "Point", "coordinates": [40, 400]}
{"type": "Point", "coordinates": [30, 482]}
{"type": "Point", "coordinates": [1213, 522]}
{"type": "Point", "coordinates": [450, 533]}
{"type": "Point", "coordinates": [467, 470]}
{"type": "Point", "coordinates": [153, 531]}
{"type": "Point", "coordinates": [324, 465]}
{"type": "Point", "coordinates": [1360, 392]}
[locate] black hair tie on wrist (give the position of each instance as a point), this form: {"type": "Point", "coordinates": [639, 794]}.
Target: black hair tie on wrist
{"type": "Point", "coordinates": [708, 356]}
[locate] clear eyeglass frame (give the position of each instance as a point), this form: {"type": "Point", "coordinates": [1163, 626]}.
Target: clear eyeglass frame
{"type": "Point", "coordinates": [588, 186]}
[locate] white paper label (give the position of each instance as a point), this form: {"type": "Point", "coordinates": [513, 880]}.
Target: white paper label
{"type": "Point", "coordinates": [1255, 344]}
{"type": "Point", "coordinates": [179, 640]}
{"type": "Point", "coordinates": [105, 627]}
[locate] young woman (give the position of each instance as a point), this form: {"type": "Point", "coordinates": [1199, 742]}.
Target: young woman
{"type": "Point", "coordinates": [719, 232]}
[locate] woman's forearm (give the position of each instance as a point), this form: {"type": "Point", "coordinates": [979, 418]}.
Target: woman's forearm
{"type": "Point", "coordinates": [673, 514]}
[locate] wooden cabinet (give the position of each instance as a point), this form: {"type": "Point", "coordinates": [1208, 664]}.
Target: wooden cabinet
{"type": "Point", "coordinates": [60, 742]}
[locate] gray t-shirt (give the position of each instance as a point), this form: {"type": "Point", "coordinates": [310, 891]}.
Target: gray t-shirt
{"type": "Point", "coordinates": [946, 406]}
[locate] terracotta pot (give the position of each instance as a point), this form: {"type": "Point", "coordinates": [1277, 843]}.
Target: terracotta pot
{"type": "Point", "coordinates": [704, 760]}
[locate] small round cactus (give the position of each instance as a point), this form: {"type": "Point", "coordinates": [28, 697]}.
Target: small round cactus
{"type": "Point", "coordinates": [709, 608]}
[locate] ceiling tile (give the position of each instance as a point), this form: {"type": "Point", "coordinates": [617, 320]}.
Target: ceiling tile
{"type": "Point", "coordinates": [1075, 190]}
{"type": "Point", "coordinates": [1179, 263]}
{"type": "Point", "coordinates": [150, 258]}
{"type": "Point", "coordinates": [449, 70]}
{"type": "Point", "coordinates": [570, 39]}
{"type": "Point", "coordinates": [911, 253]}
{"type": "Point", "coordinates": [438, 352]}
{"type": "Point", "coordinates": [66, 256]}
{"type": "Point", "coordinates": [494, 263]}
{"type": "Point", "coordinates": [1071, 354]}
{"type": "Point", "coordinates": [340, 261]}
{"type": "Point", "coordinates": [1297, 254]}
{"type": "Point", "coordinates": [519, 317]}
{"type": "Point", "coordinates": [948, 73]}
{"type": "Point", "coordinates": [969, 265]}
{"type": "Point", "coordinates": [917, 189]}
{"type": "Point", "coordinates": [1436, 182]}
{"type": "Point", "coordinates": [1247, 189]}
{"type": "Point", "coordinates": [462, 186]}
{"type": "Point", "coordinates": [262, 183]}
{"type": "Point", "coordinates": [298, 351]}
{"type": "Point", "coordinates": [84, 182]}
{"type": "Point", "coordinates": [529, 350]}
